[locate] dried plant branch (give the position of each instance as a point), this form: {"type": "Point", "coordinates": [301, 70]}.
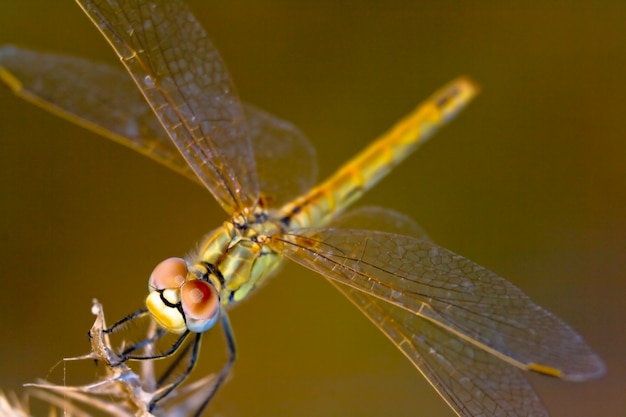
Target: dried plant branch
{"type": "Point", "coordinates": [121, 392]}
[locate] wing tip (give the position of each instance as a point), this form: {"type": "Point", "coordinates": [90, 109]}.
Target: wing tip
{"type": "Point", "coordinates": [593, 367]}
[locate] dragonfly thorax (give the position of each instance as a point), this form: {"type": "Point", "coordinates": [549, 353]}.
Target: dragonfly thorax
{"type": "Point", "coordinates": [238, 251]}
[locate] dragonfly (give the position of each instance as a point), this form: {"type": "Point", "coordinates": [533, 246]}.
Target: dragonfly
{"type": "Point", "coordinates": [467, 330]}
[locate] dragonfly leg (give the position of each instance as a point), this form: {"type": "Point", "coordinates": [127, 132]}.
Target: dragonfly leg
{"type": "Point", "coordinates": [151, 340]}
{"type": "Point", "coordinates": [176, 362]}
{"type": "Point", "coordinates": [120, 324]}
{"type": "Point", "coordinates": [126, 354]}
{"type": "Point", "coordinates": [230, 344]}
{"type": "Point", "coordinates": [165, 390]}
{"type": "Point", "coordinates": [119, 358]}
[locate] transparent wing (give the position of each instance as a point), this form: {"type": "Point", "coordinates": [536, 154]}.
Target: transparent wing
{"type": "Point", "coordinates": [456, 294]}
{"type": "Point", "coordinates": [105, 100]}
{"type": "Point", "coordinates": [93, 95]}
{"type": "Point", "coordinates": [184, 80]}
{"type": "Point", "coordinates": [471, 381]}
{"type": "Point", "coordinates": [286, 161]}
{"type": "Point", "coordinates": [381, 219]}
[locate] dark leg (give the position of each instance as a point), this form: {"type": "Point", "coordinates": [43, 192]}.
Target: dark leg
{"type": "Point", "coordinates": [181, 355]}
{"type": "Point", "coordinates": [145, 342]}
{"type": "Point", "coordinates": [126, 354]}
{"type": "Point", "coordinates": [164, 391]}
{"type": "Point", "coordinates": [230, 344]}
{"type": "Point", "coordinates": [130, 317]}
{"type": "Point", "coordinates": [153, 339]}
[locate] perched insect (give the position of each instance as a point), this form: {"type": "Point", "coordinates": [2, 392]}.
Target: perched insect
{"type": "Point", "coordinates": [467, 330]}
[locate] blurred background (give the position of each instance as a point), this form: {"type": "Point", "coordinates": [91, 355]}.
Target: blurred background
{"type": "Point", "coordinates": [529, 181]}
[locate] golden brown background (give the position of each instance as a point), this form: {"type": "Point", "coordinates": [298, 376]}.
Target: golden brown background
{"type": "Point", "coordinates": [529, 181]}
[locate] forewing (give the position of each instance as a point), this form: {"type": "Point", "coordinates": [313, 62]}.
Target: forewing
{"type": "Point", "coordinates": [93, 95]}
{"type": "Point", "coordinates": [186, 84]}
{"type": "Point", "coordinates": [450, 291]}
{"type": "Point", "coordinates": [105, 100]}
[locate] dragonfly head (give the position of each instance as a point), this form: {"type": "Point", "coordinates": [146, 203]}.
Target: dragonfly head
{"type": "Point", "coordinates": [179, 301]}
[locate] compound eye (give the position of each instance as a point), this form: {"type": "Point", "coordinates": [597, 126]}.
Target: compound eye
{"type": "Point", "coordinates": [169, 274]}
{"type": "Point", "coordinates": [201, 305]}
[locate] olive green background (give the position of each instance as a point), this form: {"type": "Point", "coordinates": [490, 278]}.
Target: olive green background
{"type": "Point", "coordinates": [529, 181]}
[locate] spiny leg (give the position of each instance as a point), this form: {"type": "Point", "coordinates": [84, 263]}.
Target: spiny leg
{"type": "Point", "coordinates": [195, 346]}
{"type": "Point", "coordinates": [159, 333]}
{"type": "Point", "coordinates": [113, 329]}
{"type": "Point", "coordinates": [176, 362]}
{"type": "Point", "coordinates": [121, 323]}
{"type": "Point", "coordinates": [164, 391]}
{"type": "Point", "coordinates": [230, 343]}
